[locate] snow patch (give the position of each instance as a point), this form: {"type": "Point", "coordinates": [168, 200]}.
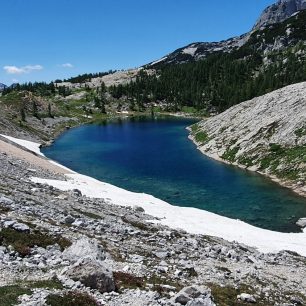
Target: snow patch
{"type": "Point", "coordinates": [32, 146]}
{"type": "Point", "coordinates": [158, 61]}
{"type": "Point", "coordinates": [190, 50]}
{"type": "Point", "coordinates": [190, 219]}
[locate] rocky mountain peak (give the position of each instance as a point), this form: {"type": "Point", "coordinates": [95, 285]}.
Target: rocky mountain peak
{"type": "Point", "coordinates": [279, 12]}
{"type": "Point", "coordinates": [2, 86]}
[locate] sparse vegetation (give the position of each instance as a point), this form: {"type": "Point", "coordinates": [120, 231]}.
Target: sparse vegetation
{"type": "Point", "coordinates": [125, 280]}
{"type": "Point", "coordinates": [230, 154]}
{"type": "Point", "coordinates": [301, 131]}
{"type": "Point", "coordinates": [23, 241]}
{"type": "Point", "coordinates": [201, 137]}
{"type": "Point", "coordinates": [9, 294]}
{"type": "Point", "coordinates": [71, 298]}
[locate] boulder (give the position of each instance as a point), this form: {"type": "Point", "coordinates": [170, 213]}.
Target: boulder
{"type": "Point", "coordinates": [84, 248]}
{"type": "Point", "coordinates": [194, 294]}
{"type": "Point", "coordinates": [6, 201]}
{"type": "Point", "coordinates": [93, 274]}
{"type": "Point", "coordinates": [201, 302]}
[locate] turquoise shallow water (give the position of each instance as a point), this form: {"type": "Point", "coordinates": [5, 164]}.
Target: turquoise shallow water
{"type": "Point", "coordinates": [156, 157]}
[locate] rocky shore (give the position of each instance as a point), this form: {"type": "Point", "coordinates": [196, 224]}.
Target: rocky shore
{"type": "Point", "coordinates": [266, 134]}
{"type": "Point", "coordinates": [59, 246]}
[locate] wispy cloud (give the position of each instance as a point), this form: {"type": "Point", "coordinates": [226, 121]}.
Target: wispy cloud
{"type": "Point", "coordinates": [22, 70]}
{"type": "Point", "coordinates": [67, 65]}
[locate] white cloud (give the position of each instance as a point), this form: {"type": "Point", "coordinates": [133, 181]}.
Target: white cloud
{"type": "Point", "coordinates": [67, 65]}
{"type": "Point", "coordinates": [22, 70]}
{"type": "Point", "coordinates": [15, 81]}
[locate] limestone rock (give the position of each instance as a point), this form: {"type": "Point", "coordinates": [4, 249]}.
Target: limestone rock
{"type": "Point", "coordinates": [92, 273]}
{"type": "Point", "coordinates": [279, 12]}
{"type": "Point", "coordinates": [84, 248]}
{"type": "Point", "coordinates": [193, 295]}
{"type": "Point", "coordinates": [301, 222]}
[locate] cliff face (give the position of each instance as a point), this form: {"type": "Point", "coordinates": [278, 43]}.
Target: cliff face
{"type": "Point", "coordinates": [266, 134]}
{"type": "Point", "coordinates": [279, 12]}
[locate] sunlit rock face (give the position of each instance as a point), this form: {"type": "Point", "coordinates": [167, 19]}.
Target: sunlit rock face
{"type": "Point", "coordinates": [279, 12]}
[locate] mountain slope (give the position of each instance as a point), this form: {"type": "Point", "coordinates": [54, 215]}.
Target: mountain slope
{"type": "Point", "coordinates": [273, 14]}
{"type": "Point", "coordinates": [266, 134]}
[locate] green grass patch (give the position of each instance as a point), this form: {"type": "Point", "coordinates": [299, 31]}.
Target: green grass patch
{"type": "Point", "coordinates": [201, 137]}
{"type": "Point", "coordinates": [71, 298]}
{"type": "Point", "coordinates": [246, 161]}
{"type": "Point", "coordinates": [230, 154]}
{"type": "Point", "coordinates": [189, 110]}
{"type": "Point", "coordinates": [23, 242]}
{"type": "Point", "coordinates": [194, 128]}
{"type": "Point", "coordinates": [127, 281]}
{"type": "Point", "coordinates": [290, 158]}
{"type": "Point", "coordinates": [53, 283]}
{"type": "Point", "coordinates": [9, 294]}
{"type": "Point", "coordinates": [227, 295]}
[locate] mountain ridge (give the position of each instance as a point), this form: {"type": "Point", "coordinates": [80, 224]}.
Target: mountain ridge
{"type": "Point", "coordinates": [273, 14]}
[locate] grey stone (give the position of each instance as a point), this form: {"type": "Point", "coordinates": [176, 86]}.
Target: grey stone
{"type": "Point", "coordinates": [83, 248]}
{"type": "Point", "coordinates": [69, 219]}
{"type": "Point", "coordinates": [301, 222]}
{"type": "Point", "coordinates": [20, 227]}
{"type": "Point", "coordinates": [6, 201]}
{"type": "Point", "coordinates": [93, 274]}
{"type": "Point", "coordinates": [201, 302]}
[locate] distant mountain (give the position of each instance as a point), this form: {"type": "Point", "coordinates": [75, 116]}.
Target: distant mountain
{"type": "Point", "coordinates": [276, 13]}
{"type": "Point", "coordinates": [14, 85]}
{"type": "Point", "coordinates": [2, 86]}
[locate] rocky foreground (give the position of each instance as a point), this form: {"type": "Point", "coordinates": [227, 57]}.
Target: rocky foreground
{"type": "Point", "coordinates": [266, 134]}
{"type": "Point", "coordinates": [62, 248]}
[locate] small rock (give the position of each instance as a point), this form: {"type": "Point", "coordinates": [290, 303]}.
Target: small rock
{"type": "Point", "coordinates": [245, 297]}
{"type": "Point", "coordinates": [301, 222]}
{"type": "Point", "coordinates": [20, 227]}
{"type": "Point", "coordinates": [77, 192]}
{"type": "Point", "coordinates": [6, 201]}
{"type": "Point", "coordinates": [138, 209]}
{"type": "Point", "coordinates": [69, 219]}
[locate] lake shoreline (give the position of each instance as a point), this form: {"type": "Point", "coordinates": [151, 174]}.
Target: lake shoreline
{"type": "Point", "coordinates": [284, 183]}
{"type": "Point", "coordinates": [186, 218]}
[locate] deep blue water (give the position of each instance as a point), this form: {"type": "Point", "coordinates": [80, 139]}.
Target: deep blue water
{"type": "Point", "coordinates": [156, 157]}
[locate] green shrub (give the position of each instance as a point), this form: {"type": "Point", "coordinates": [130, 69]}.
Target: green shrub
{"type": "Point", "coordinates": [275, 148]}
{"type": "Point", "coordinates": [201, 137]}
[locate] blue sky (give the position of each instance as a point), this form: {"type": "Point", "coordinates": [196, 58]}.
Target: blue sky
{"type": "Point", "coordinates": [49, 39]}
